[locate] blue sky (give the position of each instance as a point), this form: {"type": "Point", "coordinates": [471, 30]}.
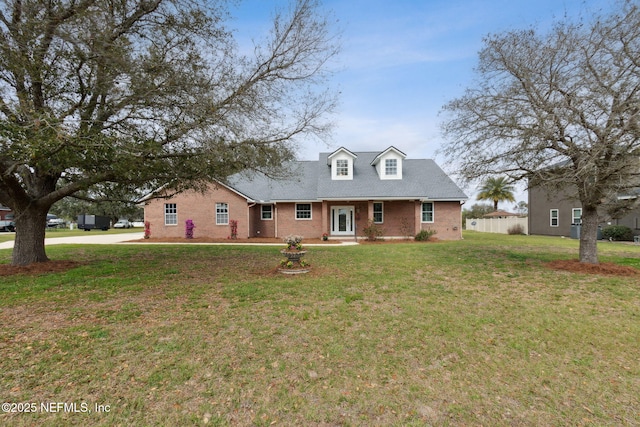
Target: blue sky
{"type": "Point", "coordinates": [402, 60]}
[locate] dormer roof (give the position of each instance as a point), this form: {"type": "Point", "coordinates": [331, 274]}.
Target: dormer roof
{"type": "Point", "coordinates": [338, 151]}
{"type": "Point", "coordinates": [391, 149]}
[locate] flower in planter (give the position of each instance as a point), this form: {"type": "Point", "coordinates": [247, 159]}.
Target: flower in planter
{"type": "Point", "coordinates": [293, 242]}
{"type": "Point", "coordinates": [325, 236]}
{"type": "Point", "coordinates": [285, 263]}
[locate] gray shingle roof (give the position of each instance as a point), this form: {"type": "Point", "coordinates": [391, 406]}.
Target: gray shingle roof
{"type": "Point", "coordinates": [311, 180]}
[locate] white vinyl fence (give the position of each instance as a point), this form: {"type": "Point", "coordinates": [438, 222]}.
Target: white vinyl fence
{"type": "Point", "coordinates": [496, 225]}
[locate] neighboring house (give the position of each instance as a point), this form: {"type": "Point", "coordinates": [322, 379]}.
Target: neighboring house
{"type": "Point", "coordinates": [554, 214]}
{"type": "Point", "coordinates": [338, 195]}
{"type": "Point", "coordinates": [6, 213]}
{"type": "Point", "coordinates": [501, 214]}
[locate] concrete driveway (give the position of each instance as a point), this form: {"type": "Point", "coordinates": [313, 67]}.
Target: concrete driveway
{"type": "Point", "coordinates": [88, 238]}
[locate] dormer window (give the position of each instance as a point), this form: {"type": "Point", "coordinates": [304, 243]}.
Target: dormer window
{"type": "Point", "coordinates": [388, 164]}
{"type": "Point", "coordinates": [391, 167]}
{"type": "Point", "coordinates": [341, 164]}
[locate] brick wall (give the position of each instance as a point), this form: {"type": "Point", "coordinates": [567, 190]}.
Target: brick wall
{"type": "Point", "coordinates": [400, 217]}
{"type": "Point", "coordinates": [262, 227]}
{"type": "Point", "coordinates": [447, 220]}
{"type": "Point", "coordinates": [201, 209]}
{"type": "Point", "coordinates": [288, 224]}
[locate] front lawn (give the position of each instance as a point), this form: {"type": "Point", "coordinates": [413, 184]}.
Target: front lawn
{"type": "Point", "coordinates": [475, 332]}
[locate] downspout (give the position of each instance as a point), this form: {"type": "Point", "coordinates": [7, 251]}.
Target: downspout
{"type": "Point", "coordinates": [275, 218]}
{"type": "Point", "coordinates": [249, 220]}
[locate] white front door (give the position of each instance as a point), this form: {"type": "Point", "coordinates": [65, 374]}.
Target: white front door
{"type": "Point", "coordinates": [342, 220]}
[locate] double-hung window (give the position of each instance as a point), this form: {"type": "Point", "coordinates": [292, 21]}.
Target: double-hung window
{"type": "Point", "coordinates": [378, 216]}
{"type": "Point", "coordinates": [222, 213]}
{"type": "Point", "coordinates": [427, 212]}
{"type": "Point", "coordinates": [303, 211]}
{"type": "Point", "coordinates": [170, 214]}
{"type": "Point", "coordinates": [576, 216]}
{"type": "Point", "coordinates": [553, 217]}
{"type": "Point", "coordinates": [266, 212]}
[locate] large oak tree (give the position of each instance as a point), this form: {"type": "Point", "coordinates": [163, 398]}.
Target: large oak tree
{"type": "Point", "coordinates": [559, 108]}
{"type": "Point", "coordinates": [148, 94]}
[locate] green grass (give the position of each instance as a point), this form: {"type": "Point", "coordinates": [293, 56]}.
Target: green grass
{"type": "Point", "coordinates": [475, 332]}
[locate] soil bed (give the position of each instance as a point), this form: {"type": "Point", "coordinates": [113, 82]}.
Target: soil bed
{"type": "Point", "coordinates": [38, 268]}
{"type": "Point", "coordinates": [606, 268]}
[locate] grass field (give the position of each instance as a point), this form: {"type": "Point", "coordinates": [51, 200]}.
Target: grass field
{"type": "Point", "coordinates": [474, 332]}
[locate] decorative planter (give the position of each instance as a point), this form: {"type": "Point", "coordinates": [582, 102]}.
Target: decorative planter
{"type": "Point", "coordinates": [293, 261]}
{"type": "Point", "coordinates": [293, 256]}
{"type": "Point", "coordinates": [294, 270]}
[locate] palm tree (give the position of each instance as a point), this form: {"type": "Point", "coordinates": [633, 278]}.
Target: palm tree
{"type": "Point", "coordinates": [497, 190]}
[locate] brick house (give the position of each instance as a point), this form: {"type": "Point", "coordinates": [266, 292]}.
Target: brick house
{"type": "Point", "coordinates": [338, 195]}
{"type": "Point", "coordinates": [6, 214]}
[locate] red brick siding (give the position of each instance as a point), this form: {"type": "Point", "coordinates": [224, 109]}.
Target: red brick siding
{"type": "Point", "coordinates": [201, 209]}
{"type": "Point", "coordinates": [397, 215]}
{"type": "Point", "coordinates": [288, 224]}
{"type": "Point", "coordinates": [260, 227]}
{"type": "Point", "coordinates": [447, 217]}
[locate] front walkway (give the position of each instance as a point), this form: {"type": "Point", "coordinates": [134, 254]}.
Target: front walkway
{"type": "Point", "coordinates": [92, 238]}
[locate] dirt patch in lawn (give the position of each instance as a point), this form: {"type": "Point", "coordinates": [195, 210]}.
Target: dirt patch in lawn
{"type": "Point", "coordinates": [606, 268]}
{"type": "Point", "coordinates": [38, 268]}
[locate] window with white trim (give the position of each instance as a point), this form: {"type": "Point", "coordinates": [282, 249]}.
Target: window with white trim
{"type": "Point", "coordinates": [576, 216]}
{"type": "Point", "coordinates": [391, 167]}
{"type": "Point", "coordinates": [342, 167]}
{"type": "Point", "coordinates": [266, 212]}
{"type": "Point", "coordinates": [427, 212]}
{"type": "Point", "coordinates": [378, 216]}
{"type": "Point", "coordinates": [222, 213]}
{"type": "Point", "coordinates": [303, 210]}
{"type": "Point", "coordinates": [553, 217]}
{"type": "Point", "coordinates": [170, 214]}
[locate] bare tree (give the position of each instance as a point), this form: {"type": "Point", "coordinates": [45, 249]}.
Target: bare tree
{"type": "Point", "coordinates": [560, 109]}
{"type": "Point", "coordinates": [144, 94]}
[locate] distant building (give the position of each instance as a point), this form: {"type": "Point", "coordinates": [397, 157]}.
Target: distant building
{"type": "Point", "coordinates": [501, 214]}
{"type": "Point", "coordinates": [6, 214]}
{"type": "Point", "coordinates": [554, 213]}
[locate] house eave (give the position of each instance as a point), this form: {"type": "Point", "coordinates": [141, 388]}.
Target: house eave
{"type": "Point", "coordinates": [367, 198]}
{"type": "Point", "coordinates": [151, 195]}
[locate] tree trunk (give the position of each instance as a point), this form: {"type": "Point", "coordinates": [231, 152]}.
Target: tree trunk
{"type": "Point", "coordinates": [30, 228]}
{"type": "Point", "coordinates": [589, 236]}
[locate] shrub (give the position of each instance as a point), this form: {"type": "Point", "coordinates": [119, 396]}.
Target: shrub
{"type": "Point", "coordinates": [188, 229]}
{"type": "Point", "coordinates": [424, 235]}
{"type": "Point", "coordinates": [233, 224]}
{"type": "Point", "coordinates": [372, 231]}
{"type": "Point", "coordinates": [617, 232]}
{"type": "Point", "coordinates": [515, 229]}
{"type": "Point", "coordinates": [406, 229]}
